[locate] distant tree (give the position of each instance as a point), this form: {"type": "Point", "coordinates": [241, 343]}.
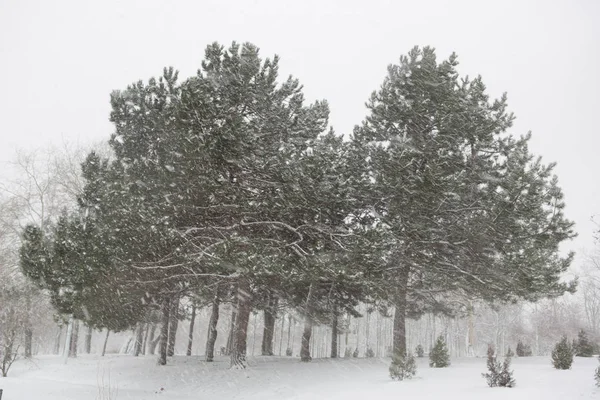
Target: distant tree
{"type": "Point", "coordinates": [403, 367]}
{"type": "Point", "coordinates": [583, 347]}
{"type": "Point", "coordinates": [439, 357]}
{"type": "Point", "coordinates": [510, 353]}
{"type": "Point", "coordinates": [419, 351]}
{"type": "Point", "coordinates": [562, 354]}
{"type": "Point", "coordinates": [523, 350]}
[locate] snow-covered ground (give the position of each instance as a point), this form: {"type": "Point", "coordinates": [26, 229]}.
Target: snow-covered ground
{"type": "Point", "coordinates": [270, 378]}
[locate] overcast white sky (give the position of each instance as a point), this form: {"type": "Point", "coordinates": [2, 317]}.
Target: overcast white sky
{"type": "Point", "coordinates": [59, 61]}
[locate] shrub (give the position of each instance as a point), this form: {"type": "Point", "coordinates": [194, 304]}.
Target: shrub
{"type": "Point", "coordinates": [597, 375]}
{"type": "Point", "coordinates": [420, 351]}
{"type": "Point", "coordinates": [583, 346]}
{"type": "Point", "coordinates": [523, 350]}
{"type": "Point", "coordinates": [355, 354]}
{"type": "Point", "coordinates": [499, 375]}
{"type": "Point", "coordinates": [403, 367]}
{"type": "Point", "coordinates": [370, 353]}
{"type": "Point", "coordinates": [439, 357]}
{"type": "Point", "coordinates": [562, 354]}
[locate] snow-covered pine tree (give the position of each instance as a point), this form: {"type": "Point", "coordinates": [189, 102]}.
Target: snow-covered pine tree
{"type": "Point", "coordinates": [460, 173]}
{"type": "Point", "coordinates": [499, 374]}
{"type": "Point", "coordinates": [403, 367]}
{"type": "Point", "coordinates": [562, 354]}
{"type": "Point", "coordinates": [439, 357]}
{"type": "Point", "coordinates": [583, 348]}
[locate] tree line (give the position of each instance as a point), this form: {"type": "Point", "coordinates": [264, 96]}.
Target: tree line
{"type": "Point", "coordinates": [227, 187]}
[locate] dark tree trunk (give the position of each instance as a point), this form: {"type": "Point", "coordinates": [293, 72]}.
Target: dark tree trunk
{"type": "Point", "coordinates": [57, 342]}
{"type": "Point", "coordinates": [212, 328]}
{"type": "Point", "coordinates": [105, 342]}
{"type": "Point", "coordinates": [191, 332]}
{"type": "Point", "coordinates": [288, 348]}
{"type": "Point", "coordinates": [240, 332]}
{"type": "Point", "coordinates": [151, 344]}
{"type": "Point", "coordinates": [270, 315]}
{"type": "Point", "coordinates": [74, 339]}
{"type": "Point", "coordinates": [145, 342]}
{"type": "Point", "coordinates": [306, 335]}
{"type": "Point", "coordinates": [399, 338]}
{"type": "Point", "coordinates": [164, 331]}
{"type": "Point", "coordinates": [28, 341]}
{"type": "Point", "coordinates": [88, 340]}
{"type": "Point", "coordinates": [139, 338]}
{"type": "Point", "coordinates": [28, 329]}
{"type": "Point", "coordinates": [334, 332]}
{"type": "Point", "coordinates": [173, 324]}
{"type": "Point", "coordinates": [229, 345]}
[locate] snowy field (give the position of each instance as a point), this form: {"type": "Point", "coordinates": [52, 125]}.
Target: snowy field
{"type": "Point", "coordinates": [126, 377]}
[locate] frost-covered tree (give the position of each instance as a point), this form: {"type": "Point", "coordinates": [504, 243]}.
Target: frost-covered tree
{"type": "Point", "coordinates": [562, 354]}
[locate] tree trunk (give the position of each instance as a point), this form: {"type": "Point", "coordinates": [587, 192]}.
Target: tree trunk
{"type": "Point", "coordinates": [212, 328]}
{"type": "Point", "coordinates": [191, 332]}
{"type": "Point", "coordinates": [164, 331]}
{"type": "Point", "coordinates": [74, 339]}
{"type": "Point", "coordinates": [68, 339]}
{"type": "Point", "coordinates": [105, 343]}
{"type": "Point", "coordinates": [229, 345]}
{"type": "Point", "coordinates": [88, 340]}
{"type": "Point", "coordinates": [244, 307]}
{"type": "Point", "coordinates": [270, 315]}
{"type": "Point", "coordinates": [287, 347]}
{"type": "Point", "coordinates": [306, 335]}
{"type": "Point", "coordinates": [145, 342]}
{"type": "Point", "coordinates": [57, 341]}
{"type": "Point", "coordinates": [139, 338]}
{"type": "Point", "coordinates": [334, 332]}
{"type": "Point", "coordinates": [28, 341]}
{"type": "Point", "coordinates": [173, 324]}
{"type": "Point", "coordinates": [399, 339]}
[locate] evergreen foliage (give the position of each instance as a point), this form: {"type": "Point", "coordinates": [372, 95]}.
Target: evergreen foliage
{"type": "Point", "coordinates": [499, 374]}
{"type": "Point", "coordinates": [439, 357]}
{"type": "Point", "coordinates": [583, 347]}
{"type": "Point", "coordinates": [562, 354]}
{"type": "Point", "coordinates": [419, 351]}
{"type": "Point", "coordinates": [403, 367]}
{"type": "Point", "coordinates": [523, 350]}
{"type": "Point", "coordinates": [597, 374]}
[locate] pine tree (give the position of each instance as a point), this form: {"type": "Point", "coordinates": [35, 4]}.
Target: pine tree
{"type": "Point", "coordinates": [498, 375]}
{"type": "Point", "coordinates": [523, 350]}
{"type": "Point", "coordinates": [403, 367]}
{"type": "Point", "coordinates": [461, 173]}
{"type": "Point", "coordinates": [420, 351]}
{"type": "Point", "coordinates": [510, 353]}
{"type": "Point", "coordinates": [583, 348]}
{"type": "Point", "coordinates": [439, 357]}
{"type": "Point", "coordinates": [562, 354]}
